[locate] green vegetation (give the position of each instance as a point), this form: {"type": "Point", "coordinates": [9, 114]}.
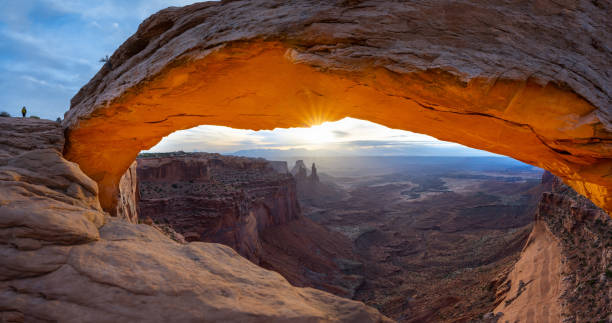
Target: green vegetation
{"type": "Point", "coordinates": [609, 273]}
{"type": "Point", "coordinates": [5, 114]}
{"type": "Point", "coordinates": [34, 117]}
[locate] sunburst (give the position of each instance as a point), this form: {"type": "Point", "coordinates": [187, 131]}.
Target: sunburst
{"type": "Point", "coordinates": [318, 109]}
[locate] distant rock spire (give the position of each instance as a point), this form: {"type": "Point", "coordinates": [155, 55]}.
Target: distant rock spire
{"type": "Point", "coordinates": [313, 174]}
{"type": "Point", "coordinates": [299, 171]}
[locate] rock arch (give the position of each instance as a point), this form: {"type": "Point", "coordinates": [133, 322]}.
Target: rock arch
{"type": "Point", "coordinates": [530, 80]}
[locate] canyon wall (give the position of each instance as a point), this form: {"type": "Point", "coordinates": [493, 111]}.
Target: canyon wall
{"type": "Point", "coordinates": [250, 205]}
{"type": "Point", "coordinates": [63, 259]}
{"type": "Point", "coordinates": [214, 198]}
{"type": "Point", "coordinates": [565, 269]}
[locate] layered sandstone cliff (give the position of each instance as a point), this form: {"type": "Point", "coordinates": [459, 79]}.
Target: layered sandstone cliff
{"type": "Point", "coordinates": [311, 190]}
{"type": "Point", "coordinates": [215, 198]}
{"type": "Point", "coordinates": [565, 270]}
{"type": "Point", "coordinates": [63, 259]}
{"type": "Point", "coordinates": [250, 205]}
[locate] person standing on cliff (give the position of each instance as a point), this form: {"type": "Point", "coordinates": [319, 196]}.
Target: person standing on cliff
{"type": "Point", "coordinates": [24, 111]}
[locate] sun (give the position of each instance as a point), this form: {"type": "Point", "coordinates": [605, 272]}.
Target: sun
{"type": "Point", "coordinates": [322, 133]}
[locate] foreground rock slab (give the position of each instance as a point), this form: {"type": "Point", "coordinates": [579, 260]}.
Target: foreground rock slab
{"type": "Point", "coordinates": [136, 274]}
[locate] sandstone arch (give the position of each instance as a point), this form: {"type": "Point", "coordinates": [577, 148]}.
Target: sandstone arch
{"type": "Point", "coordinates": [527, 80]}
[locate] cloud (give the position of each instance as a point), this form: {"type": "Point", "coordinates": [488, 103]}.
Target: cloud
{"type": "Point", "coordinates": [372, 143]}
{"type": "Point", "coordinates": [344, 137]}
{"type": "Point", "coordinates": [49, 49]}
{"type": "Point", "coordinates": [340, 134]}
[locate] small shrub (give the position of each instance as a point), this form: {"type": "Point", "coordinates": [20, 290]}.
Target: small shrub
{"type": "Point", "coordinates": [34, 117]}
{"type": "Point", "coordinates": [5, 114]}
{"type": "Point", "coordinates": [609, 273]}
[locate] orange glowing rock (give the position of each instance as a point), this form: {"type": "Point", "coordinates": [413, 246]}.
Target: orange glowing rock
{"type": "Point", "coordinates": [490, 83]}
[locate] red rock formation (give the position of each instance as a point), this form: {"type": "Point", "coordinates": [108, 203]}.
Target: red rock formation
{"type": "Point", "coordinates": [127, 202]}
{"type": "Point", "coordinates": [18, 135]}
{"type": "Point", "coordinates": [311, 191]}
{"type": "Point", "coordinates": [565, 271]}
{"type": "Point", "coordinates": [299, 170]}
{"type": "Point", "coordinates": [313, 174]}
{"type": "Point", "coordinates": [246, 204]}
{"type": "Point", "coordinates": [525, 79]}
{"type": "Point", "coordinates": [309, 255]}
{"type": "Point", "coordinates": [214, 198]}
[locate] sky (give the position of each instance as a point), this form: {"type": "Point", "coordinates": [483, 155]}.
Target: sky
{"type": "Point", "coordinates": [49, 49]}
{"type": "Point", "coordinates": [347, 137]}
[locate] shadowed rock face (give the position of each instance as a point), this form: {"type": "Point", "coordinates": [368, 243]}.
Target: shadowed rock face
{"type": "Point", "coordinates": [128, 196]}
{"type": "Point", "coordinates": [564, 270]}
{"type": "Point", "coordinates": [215, 198]}
{"type": "Point", "coordinates": [524, 79]}
{"type": "Point", "coordinates": [249, 205]}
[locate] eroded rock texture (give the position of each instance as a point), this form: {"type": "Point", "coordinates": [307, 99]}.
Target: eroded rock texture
{"type": "Point", "coordinates": [585, 235]}
{"type": "Point", "coordinates": [215, 198]}
{"type": "Point", "coordinates": [135, 273]}
{"type": "Point", "coordinates": [249, 205]}
{"type": "Point", "coordinates": [63, 259]}
{"type": "Point", "coordinates": [564, 273]}
{"type": "Point", "coordinates": [525, 79]}
{"type": "Point", "coordinates": [128, 195]}
{"type": "Point", "coordinates": [45, 200]}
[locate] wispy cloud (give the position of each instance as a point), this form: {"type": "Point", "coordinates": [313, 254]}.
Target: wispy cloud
{"type": "Point", "coordinates": [49, 49]}
{"type": "Point", "coordinates": [340, 133]}
{"type": "Point", "coordinates": [347, 136]}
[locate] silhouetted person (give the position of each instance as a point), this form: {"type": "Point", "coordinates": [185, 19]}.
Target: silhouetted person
{"type": "Point", "coordinates": [24, 111]}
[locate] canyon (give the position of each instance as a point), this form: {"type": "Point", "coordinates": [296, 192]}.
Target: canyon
{"type": "Point", "coordinates": [63, 249]}
{"type": "Point", "coordinates": [428, 239]}
{"type": "Point", "coordinates": [435, 235]}
{"type": "Point", "coordinates": [65, 259]}
{"type": "Point", "coordinates": [249, 205]}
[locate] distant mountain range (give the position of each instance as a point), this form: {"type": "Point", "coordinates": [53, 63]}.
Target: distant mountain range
{"type": "Point", "coordinates": [403, 150]}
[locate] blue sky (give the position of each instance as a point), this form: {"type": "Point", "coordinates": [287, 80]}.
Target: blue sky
{"type": "Point", "coordinates": [50, 48]}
